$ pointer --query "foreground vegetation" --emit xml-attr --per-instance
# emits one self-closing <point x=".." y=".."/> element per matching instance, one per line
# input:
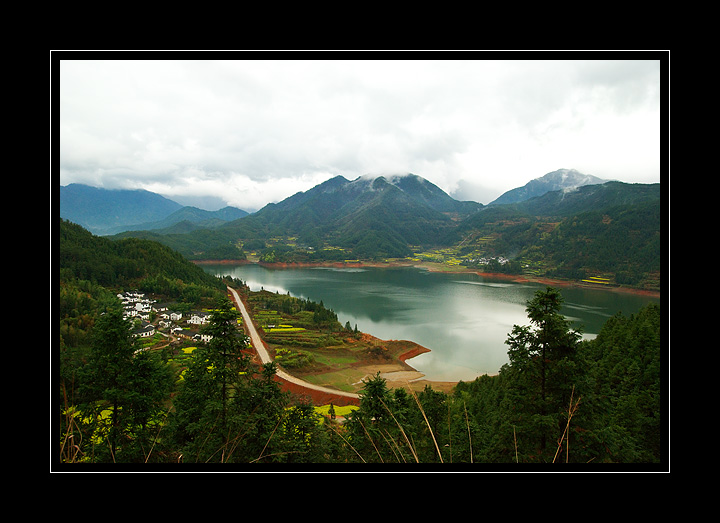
<point x="558" y="400"/>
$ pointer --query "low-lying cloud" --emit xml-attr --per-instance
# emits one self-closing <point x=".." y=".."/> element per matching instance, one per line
<point x="253" y="132"/>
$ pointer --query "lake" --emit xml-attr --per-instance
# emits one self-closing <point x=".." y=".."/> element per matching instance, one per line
<point x="464" y="319"/>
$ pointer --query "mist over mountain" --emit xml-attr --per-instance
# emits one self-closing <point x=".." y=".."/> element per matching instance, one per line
<point x="98" y="209"/>
<point x="562" y="179"/>
<point x="111" y="211"/>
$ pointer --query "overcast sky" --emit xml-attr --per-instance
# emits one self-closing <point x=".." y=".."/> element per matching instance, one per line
<point x="246" y="133"/>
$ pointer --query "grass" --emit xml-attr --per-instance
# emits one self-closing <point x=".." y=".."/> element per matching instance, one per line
<point x="342" y="379"/>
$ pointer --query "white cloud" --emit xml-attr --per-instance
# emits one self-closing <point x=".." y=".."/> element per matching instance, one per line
<point x="252" y="132"/>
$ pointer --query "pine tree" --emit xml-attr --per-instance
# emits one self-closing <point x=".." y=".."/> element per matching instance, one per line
<point x="542" y="371"/>
<point x="122" y="392"/>
<point x="224" y="351"/>
<point x="366" y="424"/>
<point x="202" y="423"/>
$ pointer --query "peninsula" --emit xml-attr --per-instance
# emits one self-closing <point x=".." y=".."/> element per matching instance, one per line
<point x="319" y="357"/>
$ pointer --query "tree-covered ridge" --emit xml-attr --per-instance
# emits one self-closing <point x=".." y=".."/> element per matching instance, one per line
<point x="127" y="263"/>
<point x="558" y="400"/>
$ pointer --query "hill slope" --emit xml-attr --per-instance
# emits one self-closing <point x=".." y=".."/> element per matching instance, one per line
<point x="192" y="218"/>
<point x="129" y="262"/>
<point x="610" y="229"/>
<point x="100" y="209"/>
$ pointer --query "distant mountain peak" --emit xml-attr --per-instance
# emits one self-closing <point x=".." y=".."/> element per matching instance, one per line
<point x="560" y="180"/>
<point x="98" y="209"/>
<point x="110" y="211"/>
<point x="417" y="188"/>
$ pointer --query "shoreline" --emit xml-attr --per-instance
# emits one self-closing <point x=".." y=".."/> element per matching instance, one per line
<point x="433" y="267"/>
<point x="395" y="369"/>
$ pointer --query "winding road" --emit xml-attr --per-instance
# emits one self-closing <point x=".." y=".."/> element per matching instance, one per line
<point x="265" y="357"/>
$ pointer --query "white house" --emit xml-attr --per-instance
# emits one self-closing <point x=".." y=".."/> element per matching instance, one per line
<point x="199" y="318"/>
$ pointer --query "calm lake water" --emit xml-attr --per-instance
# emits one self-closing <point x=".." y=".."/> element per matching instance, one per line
<point x="464" y="319"/>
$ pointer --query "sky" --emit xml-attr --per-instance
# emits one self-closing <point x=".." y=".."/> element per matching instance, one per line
<point x="246" y="133"/>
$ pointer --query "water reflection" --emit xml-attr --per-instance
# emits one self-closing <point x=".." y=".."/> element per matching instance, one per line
<point x="463" y="318"/>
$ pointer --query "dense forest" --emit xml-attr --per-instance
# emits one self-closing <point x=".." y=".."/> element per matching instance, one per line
<point x="559" y="399"/>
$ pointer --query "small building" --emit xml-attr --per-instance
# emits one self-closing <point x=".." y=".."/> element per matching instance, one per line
<point x="199" y="318"/>
<point x="145" y="330"/>
<point x="184" y="333"/>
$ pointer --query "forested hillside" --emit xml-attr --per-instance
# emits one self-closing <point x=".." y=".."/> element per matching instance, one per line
<point x="611" y="230"/>
<point x="129" y="262"/>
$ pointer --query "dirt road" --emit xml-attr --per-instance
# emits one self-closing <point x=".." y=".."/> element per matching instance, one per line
<point x="257" y="343"/>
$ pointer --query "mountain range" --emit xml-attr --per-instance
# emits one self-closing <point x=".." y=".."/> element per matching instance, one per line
<point x="565" y="231"/>
<point x="111" y="211"/>
<point x="380" y="214"/>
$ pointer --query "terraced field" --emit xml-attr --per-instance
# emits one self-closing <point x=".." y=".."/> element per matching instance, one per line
<point x="321" y="351"/>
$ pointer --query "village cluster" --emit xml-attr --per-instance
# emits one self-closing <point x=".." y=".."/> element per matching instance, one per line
<point x="166" y="321"/>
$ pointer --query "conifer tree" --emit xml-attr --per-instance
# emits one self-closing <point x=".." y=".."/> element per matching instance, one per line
<point x="202" y="420"/>
<point x="542" y="370"/>
<point x="122" y="392"/>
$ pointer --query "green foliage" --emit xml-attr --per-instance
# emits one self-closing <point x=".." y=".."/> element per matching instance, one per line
<point x="612" y="228"/>
<point x="624" y="387"/>
<point x="199" y="244"/>
<point x="616" y="378"/>
<point x="619" y="240"/>
<point x="542" y="364"/>
<point x="132" y="387"/>
<point x="558" y="399"/>
<point x="210" y="388"/>
<point x="128" y="263"/>
<point x="321" y="316"/>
